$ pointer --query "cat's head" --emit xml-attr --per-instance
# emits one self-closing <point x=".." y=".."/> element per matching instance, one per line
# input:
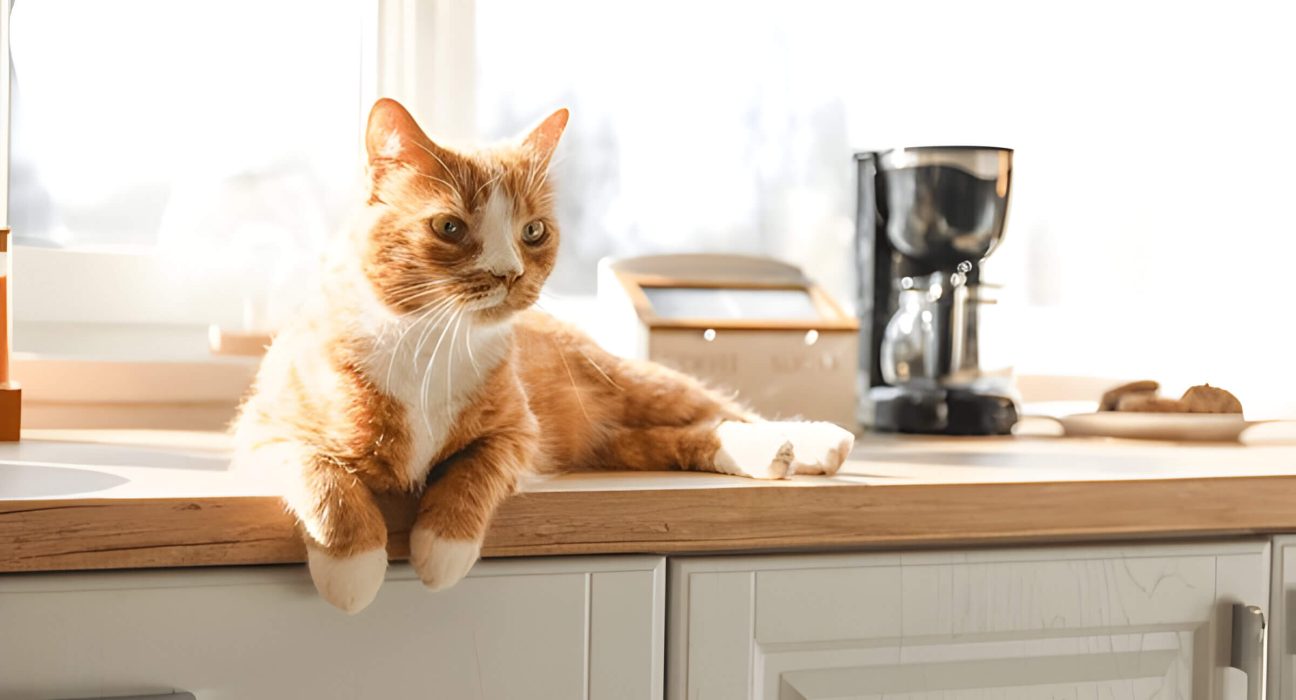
<point x="456" y="229"/>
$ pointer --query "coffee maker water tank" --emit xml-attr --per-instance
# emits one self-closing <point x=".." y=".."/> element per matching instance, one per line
<point x="950" y="203"/>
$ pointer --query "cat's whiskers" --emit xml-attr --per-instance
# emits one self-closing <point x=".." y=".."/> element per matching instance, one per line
<point x="440" y="284"/>
<point x="427" y="374"/>
<point x="398" y="325"/>
<point x="598" y="369"/>
<point x="433" y="307"/>
<point x="410" y="320"/>
<point x="454" y="337"/>
<point x="426" y="332"/>
<point x="426" y="284"/>
<point x="571" y="378"/>
<point x="411" y="297"/>
<point x="468" y="345"/>
<point x="423" y="383"/>
<point x="442" y="321"/>
<point x="407" y="294"/>
<point x="447" y="185"/>
<point x="607" y="378"/>
<point x="427" y="320"/>
<point x="530" y="176"/>
<point x="433" y="154"/>
<point x="418" y="285"/>
<point x="407" y="321"/>
<point x="532" y="173"/>
<point x="444" y="167"/>
<point x="497" y="177"/>
<point x="543" y="172"/>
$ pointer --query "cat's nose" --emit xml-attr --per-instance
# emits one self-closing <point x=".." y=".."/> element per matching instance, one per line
<point x="507" y="278"/>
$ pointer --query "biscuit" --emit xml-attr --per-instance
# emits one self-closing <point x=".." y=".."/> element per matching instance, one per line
<point x="1111" y="399"/>
<point x="1210" y="399"/>
<point x="1147" y="402"/>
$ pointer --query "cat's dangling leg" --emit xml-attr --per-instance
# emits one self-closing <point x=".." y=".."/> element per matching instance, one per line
<point x="457" y="507"/>
<point x="345" y="533"/>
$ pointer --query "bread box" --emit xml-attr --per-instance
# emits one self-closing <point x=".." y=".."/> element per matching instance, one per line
<point x="752" y="325"/>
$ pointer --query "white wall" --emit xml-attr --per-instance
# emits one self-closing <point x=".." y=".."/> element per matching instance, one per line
<point x="1151" y="228"/>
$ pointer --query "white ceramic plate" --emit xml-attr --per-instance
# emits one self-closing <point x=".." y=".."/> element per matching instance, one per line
<point x="1204" y="427"/>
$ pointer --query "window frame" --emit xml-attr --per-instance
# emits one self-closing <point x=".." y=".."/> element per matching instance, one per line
<point x="135" y="287"/>
<point x="416" y="51"/>
<point x="5" y="8"/>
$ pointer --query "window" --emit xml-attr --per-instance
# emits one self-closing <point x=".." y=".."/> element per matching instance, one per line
<point x="217" y="139"/>
<point x="1149" y="233"/>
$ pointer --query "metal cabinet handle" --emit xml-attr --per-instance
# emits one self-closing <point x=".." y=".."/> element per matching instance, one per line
<point x="1247" y="653"/>
<point x="165" y="696"/>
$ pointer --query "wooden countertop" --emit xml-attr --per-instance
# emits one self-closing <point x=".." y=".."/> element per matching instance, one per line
<point x="128" y="499"/>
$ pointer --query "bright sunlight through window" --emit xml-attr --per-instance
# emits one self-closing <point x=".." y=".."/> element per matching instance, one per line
<point x="216" y="132"/>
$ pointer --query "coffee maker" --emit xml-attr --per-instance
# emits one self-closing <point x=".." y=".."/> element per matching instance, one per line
<point x="926" y="220"/>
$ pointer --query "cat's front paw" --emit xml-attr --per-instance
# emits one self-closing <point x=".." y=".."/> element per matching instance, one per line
<point x="348" y="583"/>
<point x="820" y="447"/>
<point x="440" y="561"/>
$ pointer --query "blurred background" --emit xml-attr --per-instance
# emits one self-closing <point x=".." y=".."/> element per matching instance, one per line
<point x="189" y="160"/>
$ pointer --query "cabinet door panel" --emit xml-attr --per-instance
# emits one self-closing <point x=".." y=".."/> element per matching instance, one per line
<point x="1282" y="621"/>
<point x="823" y="604"/>
<point x="627" y="620"/>
<point x="1074" y="622"/>
<point x="720" y="633"/>
<point x="544" y="628"/>
<point x="1023" y="596"/>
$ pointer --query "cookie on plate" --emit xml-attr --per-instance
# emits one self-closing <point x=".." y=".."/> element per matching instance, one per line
<point x="1210" y="399"/>
<point x="1111" y="399"/>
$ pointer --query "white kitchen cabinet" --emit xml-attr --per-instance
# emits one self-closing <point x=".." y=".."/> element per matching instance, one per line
<point x="1064" y="622"/>
<point x="1282" y="620"/>
<point x="561" y="627"/>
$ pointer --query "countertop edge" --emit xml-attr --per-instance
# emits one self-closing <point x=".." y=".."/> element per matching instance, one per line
<point x="101" y="533"/>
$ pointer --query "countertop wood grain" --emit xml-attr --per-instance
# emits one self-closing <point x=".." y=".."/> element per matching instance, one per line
<point x="127" y="499"/>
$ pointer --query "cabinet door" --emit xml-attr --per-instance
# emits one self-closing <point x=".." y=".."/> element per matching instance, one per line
<point x="1065" y="622"/>
<point x="582" y="627"/>
<point x="1282" y="625"/>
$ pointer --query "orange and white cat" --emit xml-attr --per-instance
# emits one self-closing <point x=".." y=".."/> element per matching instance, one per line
<point x="420" y="370"/>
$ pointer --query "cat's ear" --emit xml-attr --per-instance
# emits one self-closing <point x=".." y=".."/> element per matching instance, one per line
<point x="393" y="136"/>
<point x="543" y="139"/>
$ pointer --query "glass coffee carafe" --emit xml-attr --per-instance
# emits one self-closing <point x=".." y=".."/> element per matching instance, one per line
<point x="909" y="342"/>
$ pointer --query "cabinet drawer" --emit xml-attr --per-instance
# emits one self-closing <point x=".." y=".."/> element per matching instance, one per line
<point x="1070" y="622"/>
<point x="542" y="628"/>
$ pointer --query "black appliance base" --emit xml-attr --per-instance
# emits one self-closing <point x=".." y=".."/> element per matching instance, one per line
<point x="941" y="412"/>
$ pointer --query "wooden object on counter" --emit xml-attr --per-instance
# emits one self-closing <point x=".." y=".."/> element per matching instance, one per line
<point x="895" y="492"/>
<point x="752" y="325"/>
<point x="10" y="391"/>
<point x="223" y="341"/>
<point x="10" y="413"/>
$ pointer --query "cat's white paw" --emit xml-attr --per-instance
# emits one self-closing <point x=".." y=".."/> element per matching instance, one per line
<point x="348" y="583"/>
<point x="820" y="447"/>
<point x="439" y="561"/>
<point x="753" y="450"/>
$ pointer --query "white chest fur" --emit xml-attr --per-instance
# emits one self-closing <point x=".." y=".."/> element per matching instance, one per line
<point x="434" y="368"/>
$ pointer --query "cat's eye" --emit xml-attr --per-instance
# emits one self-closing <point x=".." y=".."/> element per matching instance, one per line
<point x="449" y="227"/>
<point x="533" y="233"/>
